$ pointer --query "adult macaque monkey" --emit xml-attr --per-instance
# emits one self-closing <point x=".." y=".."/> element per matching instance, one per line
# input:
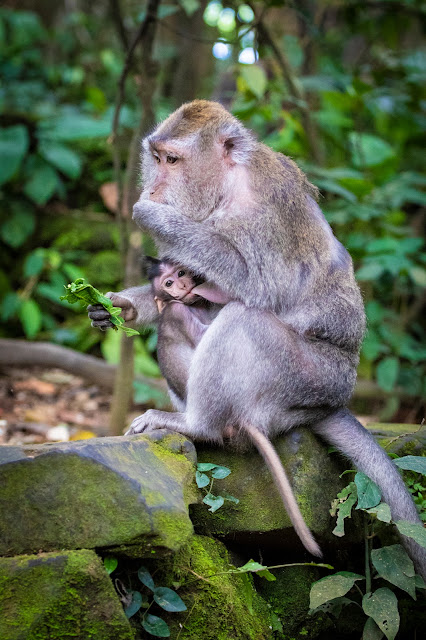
<point x="284" y="352"/>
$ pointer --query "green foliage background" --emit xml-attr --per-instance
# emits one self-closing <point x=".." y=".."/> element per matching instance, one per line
<point x="337" y="86"/>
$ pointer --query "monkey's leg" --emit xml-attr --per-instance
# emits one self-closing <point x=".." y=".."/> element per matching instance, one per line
<point x="343" y="430"/>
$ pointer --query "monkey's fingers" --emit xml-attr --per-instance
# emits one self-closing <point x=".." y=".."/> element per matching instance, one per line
<point x="128" y="311"/>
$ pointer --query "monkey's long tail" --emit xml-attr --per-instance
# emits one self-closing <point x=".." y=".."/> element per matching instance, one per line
<point x="276" y="468"/>
<point x="343" y="430"/>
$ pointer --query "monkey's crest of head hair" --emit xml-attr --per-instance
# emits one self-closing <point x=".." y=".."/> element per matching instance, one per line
<point x="204" y="122"/>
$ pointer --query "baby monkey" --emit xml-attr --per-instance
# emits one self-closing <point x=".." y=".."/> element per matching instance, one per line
<point x="187" y="306"/>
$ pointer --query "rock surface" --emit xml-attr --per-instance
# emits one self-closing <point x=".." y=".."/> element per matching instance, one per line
<point x="59" y="596"/>
<point x="221" y="604"/>
<point x="313" y="473"/>
<point x="104" y="492"/>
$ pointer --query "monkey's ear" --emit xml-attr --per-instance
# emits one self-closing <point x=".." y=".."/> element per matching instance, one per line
<point x="153" y="267"/>
<point x="237" y="143"/>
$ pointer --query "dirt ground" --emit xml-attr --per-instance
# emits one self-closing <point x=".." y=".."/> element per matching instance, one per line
<point x="48" y="405"/>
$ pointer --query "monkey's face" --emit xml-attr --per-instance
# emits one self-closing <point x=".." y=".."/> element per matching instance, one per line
<point x="176" y="282"/>
<point x="183" y="174"/>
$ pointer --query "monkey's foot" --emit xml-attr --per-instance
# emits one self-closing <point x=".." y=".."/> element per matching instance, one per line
<point x="153" y="420"/>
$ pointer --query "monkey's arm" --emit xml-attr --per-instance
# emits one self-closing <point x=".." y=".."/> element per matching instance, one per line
<point x="138" y="308"/>
<point x="195" y="245"/>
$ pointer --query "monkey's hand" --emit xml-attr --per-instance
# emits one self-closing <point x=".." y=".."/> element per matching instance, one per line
<point x="100" y="317"/>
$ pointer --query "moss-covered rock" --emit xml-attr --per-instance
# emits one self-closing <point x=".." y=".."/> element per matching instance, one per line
<point x="127" y="493"/>
<point x="260" y="515"/>
<point x="59" y="596"/>
<point x="402" y="439"/>
<point x="289" y="600"/>
<point x="220" y="605"/>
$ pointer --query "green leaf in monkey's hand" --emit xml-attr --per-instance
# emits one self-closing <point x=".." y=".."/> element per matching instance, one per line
<point x="80" y="291"/>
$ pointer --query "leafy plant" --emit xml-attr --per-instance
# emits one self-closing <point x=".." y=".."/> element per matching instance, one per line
<point x="85" y="293"/>
<point x="164" y="597"/>
<point x="391" y="563"/>
<point x="217" y="472"/>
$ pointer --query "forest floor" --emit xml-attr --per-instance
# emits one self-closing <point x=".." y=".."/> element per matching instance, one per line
<point x="49" y="405"/>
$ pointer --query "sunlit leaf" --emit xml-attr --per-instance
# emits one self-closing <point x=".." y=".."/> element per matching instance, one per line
<point x="342" y="506"/>
<point x="255" y="78"/>
<point x="30" y="317"/>
<point x="110" y="564"/>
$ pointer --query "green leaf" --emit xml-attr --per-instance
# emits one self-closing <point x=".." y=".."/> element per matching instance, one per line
<point x="206" y="466"/>
<point x="61" y="157"/>
<point x="10" y="305"/>
<point x="368" y="150"/>
<point x="255" y="78"/>
<point x="30" y="317"/>
<point x="412" y="530"/>
<point x="155" y="626"/>
<point x="135" y="604"/>
<point x="393" y="564"/>
<point x="331" y="587"/>
<point x="387" y="373"/>
<point x="145" y="394"/>
<point x="418" y="275"/>
<point x="19" y="226"/>
<point x="13" y="147"/>
<point x="230" y="498"/>
<point x="346" y="499"/>
<point x="371" y="631"/>
<point x="412" y="463"/>
<point x="221" y="472"/>
<point x="382" y="606"/>
<point x="382" y="511"/>
<point x="79" y="291"/>
<point x="201" y="479"/>
<point x="110" y="564"/>
<point x="168" y="599"/>
<point x="34" y="263"/>
<point x="214" y="502"/>
<point x="254" y="567"/>
<point x="370" y="271"/>
<point x="368" y="492"/>
<point x="333" y="607"/>
<point x="189" y="6"/>
<point x="42" y="183"/>
<point x="146" y="578"/>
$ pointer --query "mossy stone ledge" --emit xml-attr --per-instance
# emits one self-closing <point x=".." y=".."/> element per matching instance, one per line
<point x="128" y="494"/>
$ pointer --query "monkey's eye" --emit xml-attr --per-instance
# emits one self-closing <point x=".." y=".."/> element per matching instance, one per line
<point x="181" y="274"/>
<point x="168" y="283"/>
<point x="157" y="158"/>
<point x="171" y="159"/>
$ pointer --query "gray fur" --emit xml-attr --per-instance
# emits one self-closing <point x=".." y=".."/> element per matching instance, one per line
<point x="285" y="352"/>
